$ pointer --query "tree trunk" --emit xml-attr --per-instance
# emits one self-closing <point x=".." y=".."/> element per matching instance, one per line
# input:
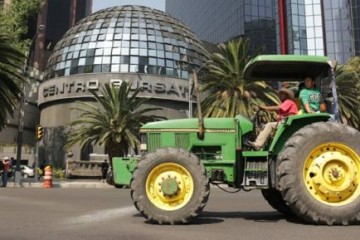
<point x="114" y="150"/>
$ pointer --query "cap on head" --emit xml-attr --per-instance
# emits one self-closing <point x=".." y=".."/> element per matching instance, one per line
<point x="6" y="158"/>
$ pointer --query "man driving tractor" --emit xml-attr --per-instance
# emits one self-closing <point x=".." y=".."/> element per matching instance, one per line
<point x="286" y="108"/>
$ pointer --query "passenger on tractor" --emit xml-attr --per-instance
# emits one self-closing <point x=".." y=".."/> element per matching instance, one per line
<point x="309" y="97"/>
<point x="286" y="108"/>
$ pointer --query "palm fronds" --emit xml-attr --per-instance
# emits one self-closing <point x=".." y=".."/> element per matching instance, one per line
<point x="113" y="122"/>
<point x="227" y="92"/>
<point x="11" y="62"/>
<point x="348" y="87"/>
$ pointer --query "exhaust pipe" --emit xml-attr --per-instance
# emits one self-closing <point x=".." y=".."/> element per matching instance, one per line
<point x="198" y="104"/>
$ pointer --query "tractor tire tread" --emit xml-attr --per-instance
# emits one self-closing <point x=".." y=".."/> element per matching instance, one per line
<point x="183" y="215"/>
<point x="307" y="208"/>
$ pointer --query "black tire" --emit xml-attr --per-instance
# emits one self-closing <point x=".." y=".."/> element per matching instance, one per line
<point x="110" y="178"/>
<point x="193" y="206"/>
<point x="298" y="182"/>
<point x="276" y="201"/>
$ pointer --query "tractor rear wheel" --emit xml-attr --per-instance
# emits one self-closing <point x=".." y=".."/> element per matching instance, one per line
<point x="275" y="200"/>
<point x="170" y="186"/>
<point x="318" y="174"/>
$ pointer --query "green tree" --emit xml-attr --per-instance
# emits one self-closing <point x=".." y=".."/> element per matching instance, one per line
<point x="113" y="122"/>
<point x="11" y="62"/>
<point x="19" y="22"/>
<point x="14" y="41"/>
<point x="348" y="88"/>
<point x="227" y="93"/>
<point x="354" y="63"/>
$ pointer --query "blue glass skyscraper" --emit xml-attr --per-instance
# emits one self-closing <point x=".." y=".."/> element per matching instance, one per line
<point x="219" y="21"/>
<point x="312" y="27"/>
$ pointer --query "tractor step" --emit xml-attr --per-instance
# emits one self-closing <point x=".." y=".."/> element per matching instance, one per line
<point x="256" y="172"/>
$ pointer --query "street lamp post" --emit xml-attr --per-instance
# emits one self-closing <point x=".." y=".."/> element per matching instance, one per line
<point x="19" y="139"/>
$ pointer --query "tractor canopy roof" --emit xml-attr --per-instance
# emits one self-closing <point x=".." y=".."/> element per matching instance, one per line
<point x="286" y="67"/>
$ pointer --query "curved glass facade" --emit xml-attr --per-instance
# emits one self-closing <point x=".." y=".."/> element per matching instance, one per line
<point x="127" y="39"/>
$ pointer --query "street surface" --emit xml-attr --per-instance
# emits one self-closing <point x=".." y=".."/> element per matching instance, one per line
<point x="35" y="213"/>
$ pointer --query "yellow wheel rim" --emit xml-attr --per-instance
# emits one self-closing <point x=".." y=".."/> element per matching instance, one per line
<point x="332" y="174"/>
<point x="169" y="186"/>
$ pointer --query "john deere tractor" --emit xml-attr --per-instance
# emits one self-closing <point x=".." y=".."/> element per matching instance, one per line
<point x="310" y="167"/>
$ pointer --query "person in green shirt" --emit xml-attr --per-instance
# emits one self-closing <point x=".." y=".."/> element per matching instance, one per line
<point x="310" y="97"/>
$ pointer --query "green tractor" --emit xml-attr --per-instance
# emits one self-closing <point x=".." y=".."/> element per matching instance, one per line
<point x="310" y="167"/>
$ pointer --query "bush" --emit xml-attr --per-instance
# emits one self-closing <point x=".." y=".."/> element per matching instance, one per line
<point x="59" y="173"/>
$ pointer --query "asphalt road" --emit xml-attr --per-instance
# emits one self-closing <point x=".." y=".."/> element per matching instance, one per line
<point x="28" y="213"/>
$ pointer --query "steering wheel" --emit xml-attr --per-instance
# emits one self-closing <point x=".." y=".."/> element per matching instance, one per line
<point x="259" y="118"/>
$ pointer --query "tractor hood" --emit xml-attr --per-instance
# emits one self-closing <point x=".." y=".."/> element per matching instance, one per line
<point x="286" y="67"/>
<point x="191" y="125"/>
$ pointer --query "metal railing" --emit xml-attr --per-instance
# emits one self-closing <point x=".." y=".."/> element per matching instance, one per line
<point x="78" y="168"/>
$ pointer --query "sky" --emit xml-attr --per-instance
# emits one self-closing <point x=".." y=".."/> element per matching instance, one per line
<point x="100" y="4"/>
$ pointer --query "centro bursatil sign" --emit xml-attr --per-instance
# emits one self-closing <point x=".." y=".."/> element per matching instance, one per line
<point x="79" y="86"/>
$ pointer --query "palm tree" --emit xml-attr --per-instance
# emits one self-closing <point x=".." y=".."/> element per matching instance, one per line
<point x="354" y="63"/>
<point x="227" y="92"/>
<point x="348" y="87"/>
<point x="113" y="122"/>
<point x="11" y="78"/>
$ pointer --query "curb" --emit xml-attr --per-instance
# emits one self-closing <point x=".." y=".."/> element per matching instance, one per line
<point x="74" y="184"/>
<point x="61" y="185"/>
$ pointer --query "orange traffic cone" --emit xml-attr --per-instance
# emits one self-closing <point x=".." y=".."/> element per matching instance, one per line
<point x="47" y="177"/>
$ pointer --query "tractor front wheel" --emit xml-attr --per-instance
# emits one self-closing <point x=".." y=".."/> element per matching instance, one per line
<point x="275" y="200"/>
<point x="318" y="174"/>
<point x="170" y="186"/>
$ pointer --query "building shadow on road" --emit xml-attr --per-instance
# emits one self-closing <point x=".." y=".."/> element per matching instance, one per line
<point x="272" y="216"/>
<point x="197" y="221"/>
<point x="208" y="217"/>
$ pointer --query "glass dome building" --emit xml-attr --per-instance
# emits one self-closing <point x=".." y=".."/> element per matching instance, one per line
<point x="127" y="39"/>
<point x="143" y="46"/>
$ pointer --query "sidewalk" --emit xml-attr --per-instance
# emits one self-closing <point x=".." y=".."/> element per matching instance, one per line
<point x="61" y="183"/>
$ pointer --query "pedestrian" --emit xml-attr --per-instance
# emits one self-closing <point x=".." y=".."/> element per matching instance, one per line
<point x="104" y="170"/>
<point x="1" y="168"/>
<point x="6" y="167"/>
<point x="285" y="109"/>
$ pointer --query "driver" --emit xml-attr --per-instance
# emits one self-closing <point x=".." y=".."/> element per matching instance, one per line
<point x="286" y="108"/>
